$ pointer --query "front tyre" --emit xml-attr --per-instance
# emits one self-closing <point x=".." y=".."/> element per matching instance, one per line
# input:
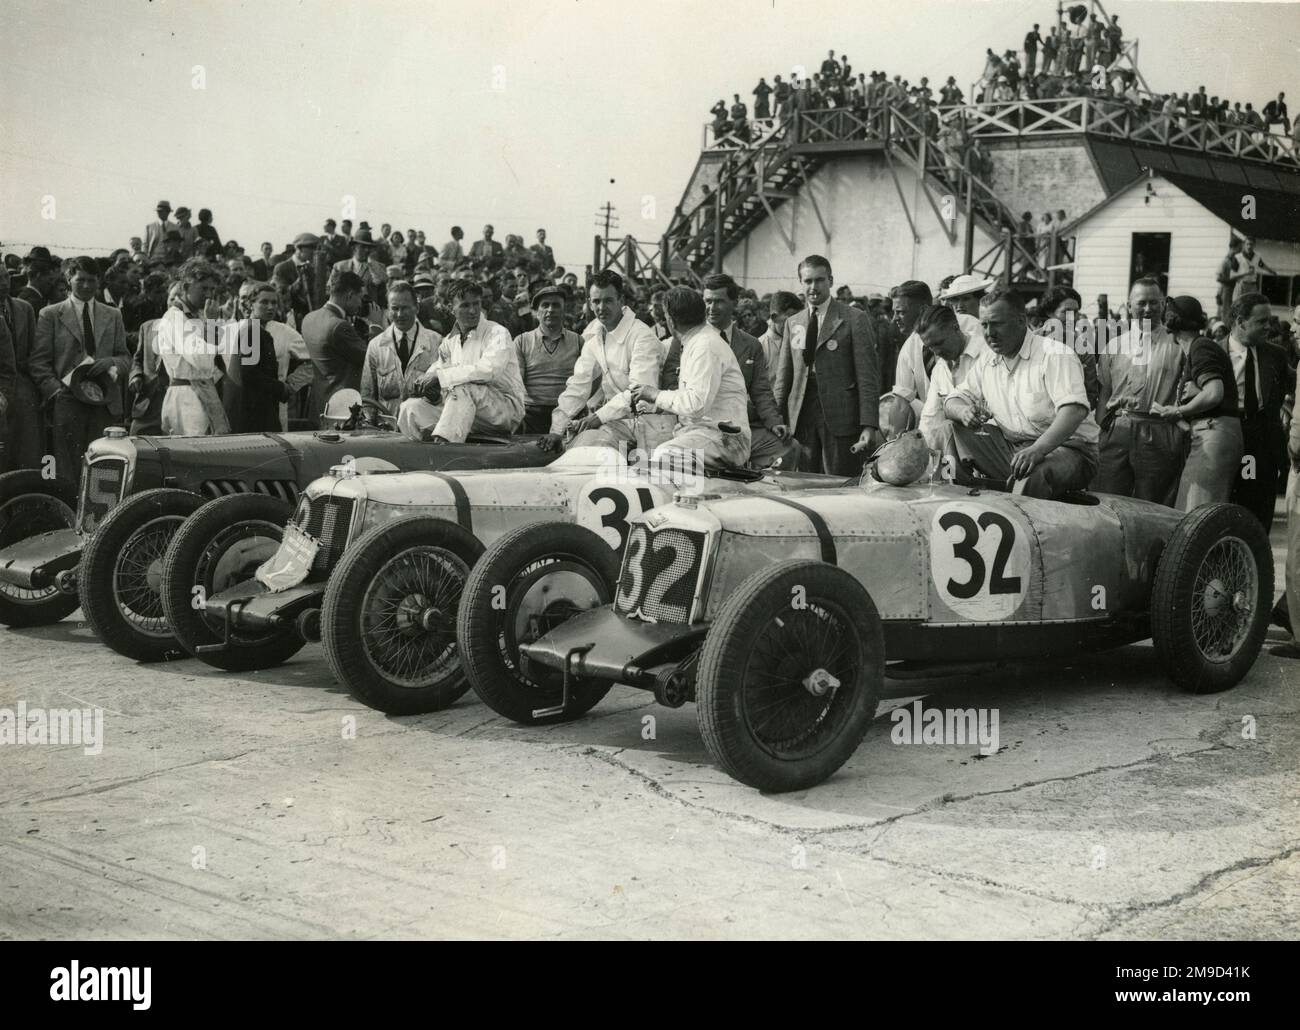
<point x="790" y="675"/>
<point x="218" y="546"/>
<point x="120" y="578"/>
<point x="30" y="505"/>
<point x="1211" y="598"/>
<point x="529" y="582"/>
<point x="389" y="618"/>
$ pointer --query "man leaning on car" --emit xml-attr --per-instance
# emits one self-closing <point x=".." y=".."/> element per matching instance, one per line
<point x="1044" y="434"/>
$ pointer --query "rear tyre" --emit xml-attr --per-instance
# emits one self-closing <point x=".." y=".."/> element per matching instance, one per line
<point x="30" y="505"/>
<point x="218" y="546"/>
<point x="790" y="675"/>
<point x="120" y="577"/>
<point x="389" y="618"/>
<point x="1211" y="598"/>
<point x="529" y="582"/>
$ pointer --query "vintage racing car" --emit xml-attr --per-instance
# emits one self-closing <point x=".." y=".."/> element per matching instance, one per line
<point x="776" y="614"/>
<point x="103" y="549"/>
<point x="373" y="564"/>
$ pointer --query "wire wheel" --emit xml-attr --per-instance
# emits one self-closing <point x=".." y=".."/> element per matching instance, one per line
<point x="1223" y="599"/>
<point x="408" y="615"/>
<point x="137" y="577"/>
<point x="28" y="515"/>
<point x="799" y="678"/>
<point x="232" y="556"/>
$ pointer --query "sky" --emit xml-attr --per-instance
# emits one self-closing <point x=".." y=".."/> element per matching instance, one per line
<point x="428" y="113"/>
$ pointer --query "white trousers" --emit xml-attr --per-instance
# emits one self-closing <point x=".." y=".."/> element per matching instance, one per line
<point x="468" y="408"/>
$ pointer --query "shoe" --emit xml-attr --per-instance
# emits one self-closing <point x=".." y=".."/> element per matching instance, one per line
<point x="1291" y="650"/>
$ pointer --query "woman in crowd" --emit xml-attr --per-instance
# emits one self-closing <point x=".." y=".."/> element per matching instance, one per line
<point x="1208" y="404"/>
<point x="188" y="343"/>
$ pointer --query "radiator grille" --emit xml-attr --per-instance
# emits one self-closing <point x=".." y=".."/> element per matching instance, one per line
<point x="102" y="486"/>
<point x="659" y="575"/>
<point x="325" y="519"/>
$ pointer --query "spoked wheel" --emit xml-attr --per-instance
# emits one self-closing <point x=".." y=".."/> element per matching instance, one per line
<point x="1211" y="598"/>
<point x="529" y="582"/>
<point x="389" y="619"/>
<point x="790" y="675"/>
<point x="31" y="505"/>
<point x="120" y="576"/>
<point x="218" y="546"/>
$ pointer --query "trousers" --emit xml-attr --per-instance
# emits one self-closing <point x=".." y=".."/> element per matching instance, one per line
<point x="1065" y="470"/>
<point x="467" y="408"/>
<point x="76" y="427"/>
<point x="1213" y="462"/>
<point x="823" y="451"/>
<point x="1141" y="457"/>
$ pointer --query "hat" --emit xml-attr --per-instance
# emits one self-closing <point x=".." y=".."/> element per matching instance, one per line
<point x="182" y="212"/>
<point x="362" y="236"/>
<point x="1190" y="312"/>
<point x="99" y="391"/>
<point x="305" y="239"/>
<point x="163" y="203"/>
<point x="39" y="254"/>
<point x="548" y="290"/>
<point x="964" y="285"/>
<point x="365" y="226"/>
<point x="424" y="282"/>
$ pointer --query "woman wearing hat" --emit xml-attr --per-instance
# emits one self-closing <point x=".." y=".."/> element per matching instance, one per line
<point x="1208" y="404"/>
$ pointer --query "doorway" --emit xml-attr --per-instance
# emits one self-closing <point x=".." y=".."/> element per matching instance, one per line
<point x="1149" y="256"/>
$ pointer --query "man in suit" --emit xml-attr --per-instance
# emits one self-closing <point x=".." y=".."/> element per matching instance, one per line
<point x="399" y="357"/>
<point x="542" y="251"/>
<point x="488" y="251"/>
<point x="828" y="385"/>
<point x="262" y="266"/>
<point x="8" y="395"/>
<point x="42" y="274"/>
<point x="366" y="266"/>
<point x="156" y="232"/>
<point x="67" y="334"/>
<point x="1260" y="369"/>
<point x="26" y="416"/>
<point x="768" y="432"/>
<point x="337" y="350"/>
<point x="306" y="271"/>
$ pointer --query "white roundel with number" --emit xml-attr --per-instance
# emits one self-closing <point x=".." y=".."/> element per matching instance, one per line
<point x="979" y="558"/>
<point x="606" y="507"/>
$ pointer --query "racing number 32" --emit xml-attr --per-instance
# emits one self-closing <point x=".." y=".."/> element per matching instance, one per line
<point x="999" y="581"/>
<point x="979" y="561"/>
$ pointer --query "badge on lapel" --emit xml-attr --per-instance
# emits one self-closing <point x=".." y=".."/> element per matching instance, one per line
<point x="832" y="344"/>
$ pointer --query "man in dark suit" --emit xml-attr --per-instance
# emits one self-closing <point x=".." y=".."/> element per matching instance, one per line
<point x="308" y="272"/>
<point x="828" y="384"/>
<point x="8" y="395"/>
<point x="337" y="350"/>
<point x="26" y="417"/>
<point x="488" y="251"/>
<point x="1260" y="369"/>
<point x="67" y="334"/>
<point x="769" y="436"/>
<point x="42" y="273"/>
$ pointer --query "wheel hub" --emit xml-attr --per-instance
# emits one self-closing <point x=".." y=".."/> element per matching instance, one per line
<point x="820" y="682"/>
<point x="1216" y="600"/>
<point x="153" y="575"/>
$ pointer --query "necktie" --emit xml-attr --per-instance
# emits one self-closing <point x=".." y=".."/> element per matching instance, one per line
<point x="403" y="351"/>
<point x="87" y="330"/>
<point x="1252" y="395"/>
<point x="723" y="334"/>
<point x="814" y="327"/>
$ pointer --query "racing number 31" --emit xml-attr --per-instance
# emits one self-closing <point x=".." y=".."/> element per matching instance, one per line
<point x="616" y="518"/>
<point x="979" y="561"/>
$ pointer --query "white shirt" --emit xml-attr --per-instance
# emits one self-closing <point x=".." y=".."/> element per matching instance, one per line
<point x="1024" y="392"/>
<point x="910" y="379"/>
<point x="629" y="354"/>
<point x="944" y="383"/>
<point x="1237" y="355"/>
<point x="486" y="355"/>
<point x="711" y="387"/>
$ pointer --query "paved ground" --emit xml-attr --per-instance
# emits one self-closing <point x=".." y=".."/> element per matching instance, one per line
<point x="273" y="805"/>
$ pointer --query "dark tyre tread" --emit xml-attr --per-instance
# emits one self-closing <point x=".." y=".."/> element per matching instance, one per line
<point x="180" y="571"/>
<point x="342" y="612"/>
<point x="502" y="689"/>
<point x="99" y="563"/>
<point x="58" y="606"/>
<point x="722" y="664"/>
<point x="1171" y="597"/>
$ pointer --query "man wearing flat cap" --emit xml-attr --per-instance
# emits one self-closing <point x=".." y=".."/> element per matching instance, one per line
<point x="156" y="232"/>
<point x="547" y="355"/>
<point x="42" y="273"/>
<point x="306" y="270"/>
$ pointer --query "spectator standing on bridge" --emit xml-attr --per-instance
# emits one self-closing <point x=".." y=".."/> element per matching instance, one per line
<point x="1141" y="452"/>
<point x="830" y="68"/>
<point x="781" y="94"/>
<point x="1275" y="113"/>
<point x="1113" y="38"/>
<point x="1032" y="42"/>
<point x="1051" y="45"/>
<point x="762" y="101"/>
<point x="739" y="112"/>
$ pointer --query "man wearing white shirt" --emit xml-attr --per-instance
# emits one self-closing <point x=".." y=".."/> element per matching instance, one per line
<point x="711" y="390"/>
<point x="1044" y="433"/>
<point x="956" y="351"/>
<point x="622" y="352"/>
<point x="477" y="371"/>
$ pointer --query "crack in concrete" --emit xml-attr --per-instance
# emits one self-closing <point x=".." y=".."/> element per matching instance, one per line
<point x="105" y="788"/>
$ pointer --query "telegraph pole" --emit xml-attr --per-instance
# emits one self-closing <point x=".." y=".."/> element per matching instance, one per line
<point x="606" y="215"/>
